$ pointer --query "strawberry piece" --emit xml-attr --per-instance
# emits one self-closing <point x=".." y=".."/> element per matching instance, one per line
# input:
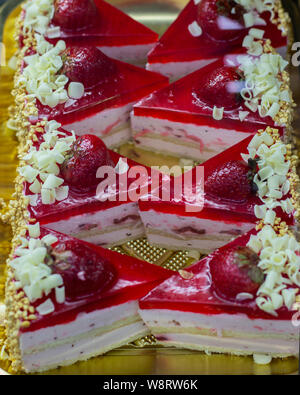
<point x="221" y="19"/>
<point x="232" y="181"/>
<point x="84" y="272"/>
<point x="87" y="154"/>
<point x="235" y="271"/>
<point x="74" y="14"/>
<point x="87" y="65"/>
<point x="222" y="88"/>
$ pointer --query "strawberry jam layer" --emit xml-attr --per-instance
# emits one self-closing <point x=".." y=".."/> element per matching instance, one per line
<point x="126" y="85"/>
<point x="182" y="102"/>
<point x="111" y="27"/>
<point x="197" y="294"/>
<point x="79" y="202"/>
<point x="135" y="279"/>
<point x="214" y="208"/>
<point x="178" y="45"/>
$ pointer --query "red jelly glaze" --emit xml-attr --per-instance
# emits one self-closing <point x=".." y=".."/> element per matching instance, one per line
<point x="86" y="202"/>
<point x="183" y="102"/>
<point x="214" y="208"/>
<point x="112" y="28"/>
<point x="126" y="85"/>
<point x="135" y="278"/>
<point x="178" y="45"/>
<point x="197" y="294"/>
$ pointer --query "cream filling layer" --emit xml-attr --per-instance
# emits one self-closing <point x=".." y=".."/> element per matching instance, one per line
<point x="179" y="232"/>
<point x="175" y="70"/>
<point x="111" y="125"/>
<point x="128" y="53"/>
<point x="83" y="349"/>
<point x="223" y="332"/>
<point x="207" y="141"/>
<point x="83" y="323"/>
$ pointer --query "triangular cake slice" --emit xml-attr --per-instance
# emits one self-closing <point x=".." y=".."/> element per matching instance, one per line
<point x="89" y="23"/>
<point x="76" y="186"/>
<point x="213" y="108"/>
<point x="68" y="300"/>
<point x="81" y="88"/>
<point x="222" y="198"/>
<point x="207" y="29"/>
<point x="240" y="300"/>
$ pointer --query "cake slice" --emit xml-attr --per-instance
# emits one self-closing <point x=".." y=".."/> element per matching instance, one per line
<point x="222" y="198"/>
<point x="213" y="108"/>
<point x="89" y="23"/>
<point x="75" y="185"/>
<point x="67" y="300"/>
<point x="240" y="300"/>
<point x="81" y="88"/>
<point x="207" y="29"/>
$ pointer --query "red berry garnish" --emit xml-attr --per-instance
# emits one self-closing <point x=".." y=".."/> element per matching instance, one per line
<point x="221" y="88"/>
<point x="84" y="272"/>
<point x="235" y="271"/>
<point x="74" y="14"/>
<point x="87" y="154"/>
<point x="87" y="65"/>
<point x="221" y="19"/>
<point x="232" y="181"/>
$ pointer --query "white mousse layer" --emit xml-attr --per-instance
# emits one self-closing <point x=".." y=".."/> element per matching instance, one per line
<point x="88" y="335"/>
<point x="233" y="333"/>
<point x="180" y="232"/>
<point x="175" y="70"/>
<point x="103" y="227"/>
<point x="185" y="140"/>
<point x="111" y="125"/>
<point x="136" y="54"/>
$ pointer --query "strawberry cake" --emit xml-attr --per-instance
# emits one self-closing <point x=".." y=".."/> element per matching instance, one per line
<point x="226" y="199"/>
<point x="90" y="23"/>
<point x="69" y="300"/>
<point x="67" y="193"/>
<point x="238" y="300"/>
<point x="83" y="89"/>
<point x="213" y="108"/>
<point x="207" y="29"/>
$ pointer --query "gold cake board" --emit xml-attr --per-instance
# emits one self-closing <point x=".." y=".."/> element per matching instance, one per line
<point x="142" y="357"/>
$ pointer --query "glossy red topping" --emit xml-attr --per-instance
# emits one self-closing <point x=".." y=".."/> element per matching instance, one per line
<point x="177" y="44"/>
<point x="232" y="180"/>
<point x="234" y="270"/>
<point x="221" y="19"/>
<point x="87" y="154"/>
<point x="198" y="294"/>
<point x="130" y="279"/>
<point x="74" y="14"/>
<point x="222" y="88"/>
<point x="87" y="65"/>
<point x="84" y="272"/>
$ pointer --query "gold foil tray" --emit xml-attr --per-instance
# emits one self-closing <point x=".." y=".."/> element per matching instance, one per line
<point x="143" y="356"/>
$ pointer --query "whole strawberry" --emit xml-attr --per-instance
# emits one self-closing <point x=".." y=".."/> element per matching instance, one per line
<point x="235" y="271"/>
<point x="209" y="18"/>
<point x="87" y="154"/>
<point x="222" y="88"/>
<point x="232" y="181"/>
<point x="87" y="65"/>
<point x="74" y="14"/>
<point x="83" y="271"/>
